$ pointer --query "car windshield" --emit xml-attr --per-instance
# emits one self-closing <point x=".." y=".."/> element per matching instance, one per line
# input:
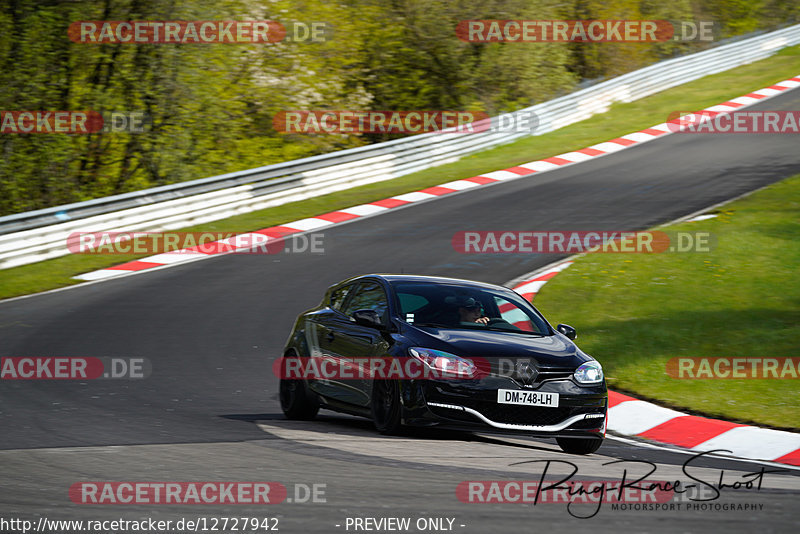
<point x="467" y="307"/>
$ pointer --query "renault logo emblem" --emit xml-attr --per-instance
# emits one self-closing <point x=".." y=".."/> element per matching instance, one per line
<point x="526" y="372"/>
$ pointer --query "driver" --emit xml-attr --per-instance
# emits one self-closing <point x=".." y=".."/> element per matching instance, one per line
<point x="470" y="311"/>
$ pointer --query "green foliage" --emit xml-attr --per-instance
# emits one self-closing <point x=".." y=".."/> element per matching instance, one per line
<point x="621" y="119"/>
<point x="735" y="17"/>
<point x="211" y="106"/>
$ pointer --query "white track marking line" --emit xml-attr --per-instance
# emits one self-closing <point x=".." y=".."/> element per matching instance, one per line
<point x="364" y="209"/>
<point x="539" y="166"/>
<point x="575" y="157"/>
<point x="415" y="196"/>
<point x="635" y="417"/>
<point x="751" y="442"/>
<point x="501" y="175"/>
<point x="687" y="452"/>
<point x="639" y="137"/>
<point x="460" y="185"/>
<point x="310" y="223"/>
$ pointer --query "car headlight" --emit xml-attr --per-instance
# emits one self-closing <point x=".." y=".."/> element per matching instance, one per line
<point x="589" y="373"/>
<point x="444" y="363"/>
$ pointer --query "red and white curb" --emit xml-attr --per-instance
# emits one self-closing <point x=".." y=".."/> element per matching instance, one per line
<point x="373" y="208"/>
<point x="632" y="417"/>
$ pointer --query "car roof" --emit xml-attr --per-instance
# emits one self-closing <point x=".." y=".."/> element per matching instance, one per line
<point x="391" y="278"/>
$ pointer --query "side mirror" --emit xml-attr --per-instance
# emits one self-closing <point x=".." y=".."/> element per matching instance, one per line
<point x="567" y="330"/>
<point x="368" y="318"/>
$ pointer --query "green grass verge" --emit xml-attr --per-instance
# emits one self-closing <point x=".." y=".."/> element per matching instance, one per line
<point x="634" y="312"/>
<point x="620" y="120"/>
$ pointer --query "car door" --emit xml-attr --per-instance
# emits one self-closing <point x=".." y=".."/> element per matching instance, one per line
<point x="322" y="341"/>
<point x="357" y="343"/>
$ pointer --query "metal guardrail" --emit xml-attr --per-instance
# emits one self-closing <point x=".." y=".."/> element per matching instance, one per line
<point x="38" y="235"/>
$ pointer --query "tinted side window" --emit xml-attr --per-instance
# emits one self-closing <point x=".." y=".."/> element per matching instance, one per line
<point x="369" y="296"/>
<point x="339" y="295"/>
<point x="410" y="303"/>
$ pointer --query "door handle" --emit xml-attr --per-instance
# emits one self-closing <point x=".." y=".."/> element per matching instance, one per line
<point x="330" y="337"/>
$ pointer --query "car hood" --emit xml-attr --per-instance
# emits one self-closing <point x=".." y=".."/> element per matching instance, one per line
<point x="549" y="351"/>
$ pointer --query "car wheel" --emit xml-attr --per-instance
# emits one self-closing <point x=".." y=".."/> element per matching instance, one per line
<point x="579" y="445"/>
<point x="297" y="401"/>
<point x="386" y="406"/>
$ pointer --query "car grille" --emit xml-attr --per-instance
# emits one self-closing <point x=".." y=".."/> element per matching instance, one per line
<point x="545" y="374"/>
<point x="555" y="374"/>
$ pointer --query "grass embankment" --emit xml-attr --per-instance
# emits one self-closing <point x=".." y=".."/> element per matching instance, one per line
<point x="636" y="311"/>
<point x="620" y="120"/>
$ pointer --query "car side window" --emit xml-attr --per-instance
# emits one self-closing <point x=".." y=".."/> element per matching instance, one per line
<point x="339" y="295"/>
<point x="368" y="296"/>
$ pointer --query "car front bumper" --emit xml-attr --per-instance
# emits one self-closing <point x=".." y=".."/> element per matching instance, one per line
<point x="472" y="405"/>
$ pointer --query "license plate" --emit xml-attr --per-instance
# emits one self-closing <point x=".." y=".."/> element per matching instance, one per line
<point x="527" y="398"/>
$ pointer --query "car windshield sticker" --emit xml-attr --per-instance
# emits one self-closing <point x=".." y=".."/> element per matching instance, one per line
<point x="409" y="317"/>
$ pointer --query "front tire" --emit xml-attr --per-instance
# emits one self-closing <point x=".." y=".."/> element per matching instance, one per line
<point x="579" y="445"/>
<point x="297" y="401"/>
<point x="386" y="406"/>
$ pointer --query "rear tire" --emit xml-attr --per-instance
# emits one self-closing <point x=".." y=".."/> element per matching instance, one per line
<point x="386" y="406"/>
<point x="297" y="401"/>
<point x="579" y="445"/>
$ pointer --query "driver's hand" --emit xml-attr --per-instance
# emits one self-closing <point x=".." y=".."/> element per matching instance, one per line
<point x="482" y="320"/>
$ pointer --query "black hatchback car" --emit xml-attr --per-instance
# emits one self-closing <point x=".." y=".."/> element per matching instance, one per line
<point x="428" y="351"/>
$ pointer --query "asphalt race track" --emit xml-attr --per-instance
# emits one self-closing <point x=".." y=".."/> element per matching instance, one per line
<point x="212" y="328"/>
